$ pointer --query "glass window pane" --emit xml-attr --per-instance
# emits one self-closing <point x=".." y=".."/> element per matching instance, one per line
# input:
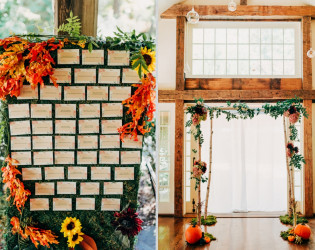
<point x="187" y="163"/>
<point x="209" y="51"/>
<point x="220" y="67"/>
<point x="188" y="149"/>
<point x="231" y="35"/>
<point x="197" y="51"/>
<point x="243" y="35"/>
<point x="277" y="35"/>
<point x="209" y="67"/>
<point x="289" y="35"/>
<point x="164" y="115"/>
<point x="254" y="35"/>
<point x="232" y="51"/>
<point x="277" y="67"/>
<point x="266" y="52"/>
<point x="298" y="193"/>
<point x="187" y="193"/>
<point x="220" y="35"/>
<point x="220" y="51"/>
<point x="164" y="163"/>
<point x="255" y="67"/>
<point x="243" y="52"/>
<point x="289" y="67"/>
<point x="277" y="51"/>
<point x="243" y="67"/>
<point x="208" y="35"/>
<point x="187" y="179"/>
<point x="197" y="67"/>
<point x="266" y="35"/>
<point x="164" y="179"/>
<point x="231" y="67"/>
<point x="297" y="178"/>
<point x="164" y="194"/>
<point x="197" y="35"/>
<point x="289" y="51"/>
<point x="266" y="67"/>
<point x="254" y="51"/>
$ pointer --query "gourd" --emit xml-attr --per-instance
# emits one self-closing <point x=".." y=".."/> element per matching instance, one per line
<point x="88" y="243"/>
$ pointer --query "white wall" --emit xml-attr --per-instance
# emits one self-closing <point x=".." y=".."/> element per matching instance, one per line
<point x="166" y="45"/>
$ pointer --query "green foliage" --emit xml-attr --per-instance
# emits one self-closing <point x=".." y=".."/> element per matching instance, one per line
<point x="293" y="133"/>
<point x="72" y="27"/>
<point x="209" y="221"/>
<point x="296" y="161"/>
<point x="140" y="62"/>
<point x="287" y="220"/>
<point x="210" y="236"/>
<point x="298" y="240"/>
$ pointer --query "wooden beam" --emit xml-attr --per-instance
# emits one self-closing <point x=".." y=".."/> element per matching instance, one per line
<point x="243" y="83"/>
<point x="243" y="2"/>
<point x="180" y="45"/>
<point x="179" y="159"/>
<point x="234" y="95"/>
<point x="86" y="10"/>
<point x="181" y="9"/>
<point x="307" y="62"/>
<point x="308" y="155"/>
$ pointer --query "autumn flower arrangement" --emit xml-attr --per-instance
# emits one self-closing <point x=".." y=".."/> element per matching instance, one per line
<point x="200" y="113"/>
<point x="71" y="228"/>
<point x="292" y="114"/>
<point x="291" y="150"/>
<point x="199" y="169"/>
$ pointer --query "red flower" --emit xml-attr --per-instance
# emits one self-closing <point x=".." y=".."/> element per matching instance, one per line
<point x="127" y="222"/>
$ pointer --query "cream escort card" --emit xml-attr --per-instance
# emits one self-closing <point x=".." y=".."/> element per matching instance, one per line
<point x="24" y="158"/>
<point x="64" y="157"/>
<point x="65" y="126"/>
<point x="87" y="157"/>
<point x="90" y="188"/>
<point x="89" y="126"/>
<point x="27" y="93"/>
<point x="77" y="173"/>
<point x="62" y="204"/>
<point x="89" y="110"/>
<point x="119" y="93"/>
<point x="21" y="143"/>
<point x="62" y="75"/>
<point x="68" y="56"/>
<point x="50" y="93"/>
<point x="20" y="128"/>
<point x="54" y="173"/>
<point x="31" y="174"/>
<point x="45" y="188"/>
<point x="130" y="143"/>
<point x="130" y="76"/>
<point x="41" y="110"/>
<point x="95" y="57"/>
<point x="42" y="142"/>
<point x="74" y="93"/>
<point x="109" y="204"/>
<point x="113" y="188"/>
<point x="112" y="110"/>
<point x="97" y="93"/>
<point x="100" y="173"/>
<point x="118" y="58"/>
<point x="65" y="111"/>
<point x="109" y="141"/>
<point x="111" y="126"/>
<point x="109" y="76"/>
<point x="39" y="204"/>
<point x="124" y="173"/>
<point x="43" y="158"/>
<point x="66" y="187"/>
<point x="84" y="75"/>
<point x="85" y="203"/>
<point x="19" y="111"/>
<point x="42" y="127"/>
<point x="109" y="157"/>
<point x="64" y="142"/>
<point x="87" y="141"/>
<point x="130" y="157"/>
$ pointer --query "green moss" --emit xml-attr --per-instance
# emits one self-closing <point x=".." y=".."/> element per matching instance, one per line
<point x="287" y="220"/>
<point x="209" y="221"/>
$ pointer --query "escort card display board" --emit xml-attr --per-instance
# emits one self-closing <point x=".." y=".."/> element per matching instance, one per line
<point x="68" y="147"/>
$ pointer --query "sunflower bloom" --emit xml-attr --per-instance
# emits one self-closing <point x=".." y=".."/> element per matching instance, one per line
<point x="70" y="227"/>
<point x="149" y="58"/>
<point x="75" y="239"/>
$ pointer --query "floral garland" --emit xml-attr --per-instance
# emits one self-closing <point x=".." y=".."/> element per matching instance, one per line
<point x="199" y="169"/>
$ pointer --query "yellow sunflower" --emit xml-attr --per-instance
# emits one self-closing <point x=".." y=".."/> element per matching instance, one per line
<point x="75" y="239"/>
<point x="149" y="58"/>
<point x="70" y="226"/>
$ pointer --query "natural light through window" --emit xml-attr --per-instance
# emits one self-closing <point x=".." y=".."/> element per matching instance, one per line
<point x="243" y="49"/>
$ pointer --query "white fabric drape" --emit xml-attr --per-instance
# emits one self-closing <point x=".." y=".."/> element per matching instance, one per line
<point x="249" y="168"/>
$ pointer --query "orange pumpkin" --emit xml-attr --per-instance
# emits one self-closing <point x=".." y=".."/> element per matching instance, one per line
<point x="193" y="234"/>
<point x="291" y="238"/>
<point x="303" y="231"/>
<point x="88" y="243"/>
<point x="207" y="239"/>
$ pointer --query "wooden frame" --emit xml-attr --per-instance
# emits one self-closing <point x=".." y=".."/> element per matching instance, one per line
<point x="232" y="89"/>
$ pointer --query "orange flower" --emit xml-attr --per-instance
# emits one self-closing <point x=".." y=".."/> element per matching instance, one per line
<point x="38" y="236"/>
<point x="141" y="106"/>
<point x="14" y="184"/>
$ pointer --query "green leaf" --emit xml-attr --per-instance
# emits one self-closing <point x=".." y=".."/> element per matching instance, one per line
<point x="90" y="47"/>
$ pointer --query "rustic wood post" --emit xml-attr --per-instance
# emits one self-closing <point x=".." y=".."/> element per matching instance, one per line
<point x="86" y="10"/>
<point x="209" y="171"/>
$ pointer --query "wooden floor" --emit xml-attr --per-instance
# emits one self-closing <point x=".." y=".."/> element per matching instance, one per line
<point x="231" y="234"/>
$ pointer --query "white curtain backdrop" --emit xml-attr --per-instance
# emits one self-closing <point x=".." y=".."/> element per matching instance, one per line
<point x="249" y="168"/>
